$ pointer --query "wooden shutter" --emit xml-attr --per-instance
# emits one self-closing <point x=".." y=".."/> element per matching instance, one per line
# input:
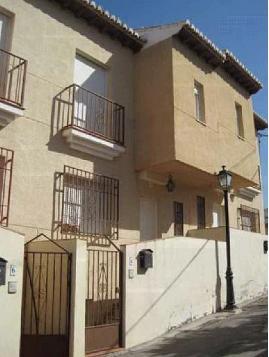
<point x="178" y="219"/>
<point x="200" y="212"/>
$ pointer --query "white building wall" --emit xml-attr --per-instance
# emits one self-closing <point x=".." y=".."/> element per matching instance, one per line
<point x="12" y="250"/>
<point x="187" y="281"/>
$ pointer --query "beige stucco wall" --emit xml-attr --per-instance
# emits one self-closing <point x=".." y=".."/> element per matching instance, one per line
<point x="11" y="249"/>
<point x="48" y="37"/>
<point x="154" y="105"/>
<point x="162" y="297"/>
<point x="216" y="144"/>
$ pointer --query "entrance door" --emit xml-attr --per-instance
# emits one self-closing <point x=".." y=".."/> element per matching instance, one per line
<point x="46" y="302"/>
<point x="148" y="219"/>
<point x="104" y="300"/>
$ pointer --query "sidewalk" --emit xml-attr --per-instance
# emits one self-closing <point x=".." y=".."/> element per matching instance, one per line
<point x="222" y="334"/>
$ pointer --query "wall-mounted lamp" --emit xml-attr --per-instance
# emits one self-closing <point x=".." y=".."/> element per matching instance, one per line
<point x="170" y="184"/>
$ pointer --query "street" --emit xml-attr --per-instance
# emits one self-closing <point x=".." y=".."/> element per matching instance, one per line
<point x="223" y="334"/>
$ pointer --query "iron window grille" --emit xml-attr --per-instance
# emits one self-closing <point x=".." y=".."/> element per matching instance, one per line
<point x="250" y="219"/>
<point x="90" y="204"/>
<point x="6" y="165"/>
<point x="178" y="219"/>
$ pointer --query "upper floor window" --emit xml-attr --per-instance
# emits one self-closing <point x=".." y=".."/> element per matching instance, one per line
<point x="178" y="219"/>
<point x="239" y="120"/>
<point x="199" y="102"/>
<point x="6" y="164"/>
<point x="200" y="212"/>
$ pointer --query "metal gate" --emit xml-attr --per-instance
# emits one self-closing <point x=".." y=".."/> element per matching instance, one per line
<point x="46" y="300"/>
<point x="104" y="299"/>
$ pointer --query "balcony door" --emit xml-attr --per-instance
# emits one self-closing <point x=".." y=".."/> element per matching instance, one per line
<point x="4" y="32"/>
<point x="4" y="58"/>
<point x="90" y="108"/>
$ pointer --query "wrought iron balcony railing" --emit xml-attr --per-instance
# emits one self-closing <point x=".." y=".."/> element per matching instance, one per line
<point x="6" y="164"/>
<point x="12" y="78"/>
<point x="89" y="112"/>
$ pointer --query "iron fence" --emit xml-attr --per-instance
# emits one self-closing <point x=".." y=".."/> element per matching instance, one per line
<point x="12" y="78"/>
<point x="103" y="299"/>
<point x="89" y="112"/>
<point x="6" y="165"/>
<point x="90" y="204"/>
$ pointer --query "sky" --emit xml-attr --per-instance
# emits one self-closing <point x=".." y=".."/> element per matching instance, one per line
<point x="238" y="25"/>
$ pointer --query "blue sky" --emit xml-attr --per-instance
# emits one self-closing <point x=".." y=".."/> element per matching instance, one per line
<point x="239" y="25"/>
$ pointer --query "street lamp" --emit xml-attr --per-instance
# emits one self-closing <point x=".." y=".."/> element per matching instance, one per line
<point x="225" y="181"/>
<point x="170" y="184"/>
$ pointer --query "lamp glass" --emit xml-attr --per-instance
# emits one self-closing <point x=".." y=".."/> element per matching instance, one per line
<point x="225" y="179"/>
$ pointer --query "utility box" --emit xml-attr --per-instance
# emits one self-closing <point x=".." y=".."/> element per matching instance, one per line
<point x="3" y="266"/>
<point x="145" y="258"/>
<point x="265" y="246"/>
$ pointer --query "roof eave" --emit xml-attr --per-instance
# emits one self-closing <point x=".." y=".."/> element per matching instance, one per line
<point x="260" y="123"/>
<point x="95" y="17"/>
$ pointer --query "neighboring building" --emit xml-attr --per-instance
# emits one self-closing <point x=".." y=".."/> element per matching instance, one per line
<point x="266" y="220"/>
<point x="95" y="118"/>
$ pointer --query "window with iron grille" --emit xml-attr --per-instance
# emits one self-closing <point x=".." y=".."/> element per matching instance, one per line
<point x="250" y="219"/>
<point x="178" y="219"/>
<point x="200" y="212"/>
<point x="6" y="164"/>
<point x="90" y="204"/>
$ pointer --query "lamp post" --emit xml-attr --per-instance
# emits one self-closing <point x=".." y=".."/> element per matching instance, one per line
<point x="225" y="181"/>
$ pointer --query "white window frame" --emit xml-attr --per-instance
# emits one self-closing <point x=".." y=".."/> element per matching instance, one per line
<point x="239" y="121"/>
<point x="199" y="98"/>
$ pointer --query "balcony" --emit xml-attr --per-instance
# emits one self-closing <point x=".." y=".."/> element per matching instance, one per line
<point x="6" y="164"/>
<point x="90" y="123"/>
<point x="12" y="86"/>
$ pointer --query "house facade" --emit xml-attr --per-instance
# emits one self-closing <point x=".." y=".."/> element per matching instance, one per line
<point x="97" y="120"/>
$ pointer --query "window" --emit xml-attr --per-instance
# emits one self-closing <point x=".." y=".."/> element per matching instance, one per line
<point x="199" y="102"/>
<point x="90" y="204"/>
<point x="200" y="212"/>
<point x="250" y="219"/>
<point x="6" y="163"/>
<point x="178" y="219"/>
<point x="239" y="120"/>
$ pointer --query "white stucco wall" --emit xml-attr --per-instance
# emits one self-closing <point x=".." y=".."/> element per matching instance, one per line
<point x="187" y="281"/>
<point x="11" y="249"/>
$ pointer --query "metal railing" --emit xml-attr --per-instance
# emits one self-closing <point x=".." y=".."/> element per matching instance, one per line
<point x="12" y="78"/>
<point x="6" y="165"/>
<point x="89" y="112"/>
<point x="90" y="206"/>
<point x="250" y="219"/>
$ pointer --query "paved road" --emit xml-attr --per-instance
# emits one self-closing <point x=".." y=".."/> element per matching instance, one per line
<point x="242" y="334"/>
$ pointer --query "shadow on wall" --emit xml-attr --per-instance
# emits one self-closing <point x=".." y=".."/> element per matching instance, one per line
<point x="219" y="340"/>
<point x="179" y="275"/>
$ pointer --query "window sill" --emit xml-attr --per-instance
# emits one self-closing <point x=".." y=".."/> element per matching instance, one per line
<point x="201" y="122"/>
<point x="241" y="137"/>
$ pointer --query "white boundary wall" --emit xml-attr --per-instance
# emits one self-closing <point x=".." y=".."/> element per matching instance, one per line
<point x="12" y="250"/>
<point x="187" y="281"/>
